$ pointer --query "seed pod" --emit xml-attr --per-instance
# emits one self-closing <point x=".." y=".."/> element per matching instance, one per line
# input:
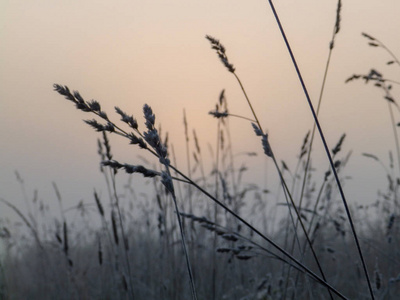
<point x="65" y="238"/>
<point x="98" y="203"/>
<point x="114" y="227"/>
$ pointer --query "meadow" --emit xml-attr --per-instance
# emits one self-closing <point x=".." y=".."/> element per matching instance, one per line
<point x="206" y="232"/>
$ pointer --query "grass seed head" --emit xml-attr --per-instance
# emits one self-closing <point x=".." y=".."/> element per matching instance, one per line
<point x="126" y="118"/>
<point x="98" y="203"/>
<point x="114" y="228"/>
<point x="220" y="49"/>
<point x="368" y="36"/>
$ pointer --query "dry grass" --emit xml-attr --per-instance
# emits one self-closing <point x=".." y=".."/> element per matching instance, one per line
<point x="206" y="233"/>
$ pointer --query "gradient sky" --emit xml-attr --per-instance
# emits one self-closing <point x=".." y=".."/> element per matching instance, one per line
<point x="127" y="53"/>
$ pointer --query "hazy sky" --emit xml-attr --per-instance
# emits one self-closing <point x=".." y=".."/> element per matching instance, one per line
<point x="127" y="53"/>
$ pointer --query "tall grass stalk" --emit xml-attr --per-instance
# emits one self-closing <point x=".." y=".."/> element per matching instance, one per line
<point x="382" y="83"/>
<point x="374" y="42"/>
<point x="321" y="93"/>
<point x="124" y="237"/>
<point x="116" y="205"/>
<point x="189" y="169"/>
<point x="336" y="30"/>
<point x="167" y="181"/>
<point x="216" y="185"/>
<point x="321" y="133"/>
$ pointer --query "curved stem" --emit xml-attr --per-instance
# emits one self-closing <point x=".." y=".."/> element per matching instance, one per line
<point x="248" y="101"/>
<point x="241" y="117"/>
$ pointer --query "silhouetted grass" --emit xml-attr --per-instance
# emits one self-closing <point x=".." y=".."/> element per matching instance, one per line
<point x="206" y="233"/>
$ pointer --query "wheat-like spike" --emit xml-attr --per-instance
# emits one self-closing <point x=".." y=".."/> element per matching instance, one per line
<point x="65" y="230"/>
<point x="114" y="228"/>
<point x="107" y="145"/>
<point x="100" y="127"/>
<point x="130" y="120"/>
<point x="371" y="38"/>
<point x="130" y="169"/>
<point x="377" y="277"/>
<point x="338" y="146"/>
<point x="166" y="180"/>
<point x="220" y="49"/>
<point x="98" y="203"/>
<point x="338" y="18"/>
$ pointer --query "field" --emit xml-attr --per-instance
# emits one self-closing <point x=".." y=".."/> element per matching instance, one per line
<point x="204" y="231"/>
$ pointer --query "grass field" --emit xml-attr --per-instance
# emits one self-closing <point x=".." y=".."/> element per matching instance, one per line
<point x="206" y="232"/>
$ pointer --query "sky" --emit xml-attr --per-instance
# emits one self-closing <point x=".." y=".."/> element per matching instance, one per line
<point x="127" y="53"/>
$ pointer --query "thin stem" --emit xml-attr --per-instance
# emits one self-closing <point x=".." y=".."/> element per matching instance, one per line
<point x="325" y="146"/>
<point x="387" y="50"/>
<point x="307" y="166"/>
<point x="189" y="168"/>
<point x="183" y="239"/>
<point x="248" y="101"/>
<point x="241" y="117"/>
<point x="391" y="81"/>
<point x="124" y="237"/>
<point x="214" y="257"/>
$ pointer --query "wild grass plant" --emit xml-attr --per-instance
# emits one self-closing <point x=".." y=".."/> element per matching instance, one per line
<point x="207" y="233"/>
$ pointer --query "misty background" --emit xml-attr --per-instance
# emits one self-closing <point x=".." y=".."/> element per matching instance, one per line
<point x="127" y="53"/>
